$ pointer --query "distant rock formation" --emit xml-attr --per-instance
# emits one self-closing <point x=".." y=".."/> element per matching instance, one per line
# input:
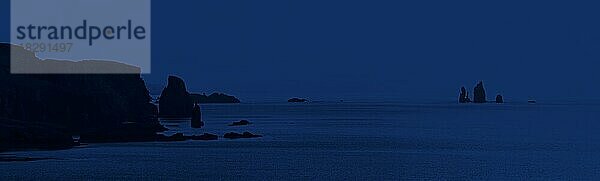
<point x="175" y="137"/>
<point x="499" y="99"/>
<point x="197" y="117"/>
<point x="233" y="135"/>
<point x="240" y="123"/>
<point x="97" y="107"/>
<point x="297" y="100"/>
<point x="205" y="136"/>
<point x="214" y="98"/>
<point x="479" y="93"/>
<point x="464" y="96"/>
<point x="175" y="100"/>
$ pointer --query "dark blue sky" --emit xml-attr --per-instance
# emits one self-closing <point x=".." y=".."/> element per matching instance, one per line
<point x="346" y="49"/>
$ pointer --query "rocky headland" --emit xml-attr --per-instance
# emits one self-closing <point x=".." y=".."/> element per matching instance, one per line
<point x="176" y="102"/>
<point x="48" y="111"/>
<point x="214" y="98"/>
<point x="95" y="107"/>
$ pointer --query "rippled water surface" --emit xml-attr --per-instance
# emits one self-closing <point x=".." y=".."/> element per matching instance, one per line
<point x="340" y="141"/>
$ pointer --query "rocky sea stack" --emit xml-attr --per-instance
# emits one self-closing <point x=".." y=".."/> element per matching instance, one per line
<point x="479" y="93"/>
<point x="197" y="117"/>
<point x="175" y="100"/>
<point x="464" y="96"/>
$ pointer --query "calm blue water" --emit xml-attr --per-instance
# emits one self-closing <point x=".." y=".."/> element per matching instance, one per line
<point x="349" y="141"/>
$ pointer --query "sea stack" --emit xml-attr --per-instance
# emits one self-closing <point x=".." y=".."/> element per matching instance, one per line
<point x="479" y="93"/>
<point x="175" y="100"/>
<point x="197" y="117"/>
<point x="499" y="99"/>
<point x="464" y="96"/>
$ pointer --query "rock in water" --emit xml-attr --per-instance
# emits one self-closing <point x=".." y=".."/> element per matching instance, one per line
<point x="479" y="93"/>
<point x="205" y="136"/>
<point x="464" y="96"/>
<point x="197" y="117"/>
<point x="240" y="123"/>
<point x="499" y="99"/>
<point x="233" y="135"/>
<point x="297" y="100"/>
<point x="214" y="98"/>
<point x="175" y="100"/>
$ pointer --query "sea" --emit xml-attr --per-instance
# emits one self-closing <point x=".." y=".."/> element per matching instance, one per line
<point x="348" y="141"/>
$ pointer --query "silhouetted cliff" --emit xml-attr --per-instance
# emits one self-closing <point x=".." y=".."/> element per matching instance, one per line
<point x="21" y="135"/>
<point x="99" y="107"/>
<point x="175" y="100"/>
<point x="214" y="98"/>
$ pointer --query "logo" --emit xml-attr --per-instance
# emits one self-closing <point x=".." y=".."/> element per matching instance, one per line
<point x="80" y="36"/>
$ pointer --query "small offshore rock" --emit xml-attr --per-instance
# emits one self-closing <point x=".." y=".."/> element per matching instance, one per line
<point x="205" y="136"/>
<point x="233" y="135"/>
<point x="499" y="99"/>
<point x="297" y="100"/>
<point x="240" y="123"/>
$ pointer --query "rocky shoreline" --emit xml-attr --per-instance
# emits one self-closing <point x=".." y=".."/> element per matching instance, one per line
<point x="47" y="111"/>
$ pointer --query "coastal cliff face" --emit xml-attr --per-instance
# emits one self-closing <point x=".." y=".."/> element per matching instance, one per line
<point x="23" y="135"/>
<point x="175" y="100"/>
<point x="98" y="107"/>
